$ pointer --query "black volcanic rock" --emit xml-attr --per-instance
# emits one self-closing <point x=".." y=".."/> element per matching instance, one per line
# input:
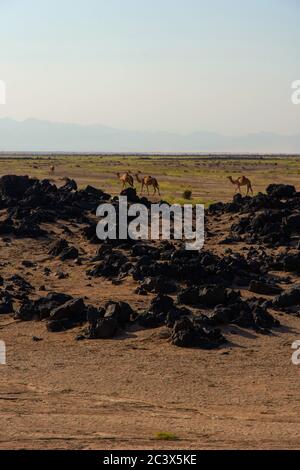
<point x="188" y="334"/>
<point x="281" y="191"/>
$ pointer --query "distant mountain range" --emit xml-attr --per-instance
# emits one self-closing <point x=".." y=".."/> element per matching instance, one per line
<point x="42" y="136"/>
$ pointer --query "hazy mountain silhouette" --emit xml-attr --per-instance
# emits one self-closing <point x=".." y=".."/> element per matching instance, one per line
<point x="36" y="135"/>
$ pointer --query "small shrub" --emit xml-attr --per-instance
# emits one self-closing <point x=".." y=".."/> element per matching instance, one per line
<point x="165" y="436"/>
<point x="187" y="194"/>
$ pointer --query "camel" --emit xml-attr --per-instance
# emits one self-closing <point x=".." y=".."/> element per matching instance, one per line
<point x="241" y="181"/>
<point x="148" y="181"/>
<point x="125" y="178"/>
<point x="52" y="169"/>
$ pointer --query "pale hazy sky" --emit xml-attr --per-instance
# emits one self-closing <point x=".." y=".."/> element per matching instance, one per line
<point x="171" y="65"/>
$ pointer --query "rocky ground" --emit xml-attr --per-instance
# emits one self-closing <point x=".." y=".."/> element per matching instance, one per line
<point x="109" y="343"/>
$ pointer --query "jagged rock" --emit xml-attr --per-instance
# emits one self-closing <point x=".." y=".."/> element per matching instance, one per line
<point x="215" y="295"/>
<point x="250" y="313"/>
<point x="189" y="296"/>
<point x="70" y="185"/>
<point x="188" y="334"/>
<point x="73" y="309"/>
<point x="104" y="328"/>
<point x="121" y="311"/>
<point x="25" y="229"/>
<point x="293" y="222"/>
<point x="14" y="186"/>
<point x="264" y="288"/>
<point x="61" y="275"/>
<point x="69" y="253"/>
<point x="281" y="191"/>
<point x="28" y="263"/>
<point x="6" y="305"/>
<point x="41" y="308"/>
<point x="288" y="298"/>
<point x="175" y="314"/>
<point x="288" y="262"/>
<point x="158" y="284"/>
<point x="157" y="313"/>
<point x="58" y="247"/>
<point x="131" y="195"/>
<point x="263" y="320"/>
<point x="161" y="304"/>
<point x="112" y="265"/>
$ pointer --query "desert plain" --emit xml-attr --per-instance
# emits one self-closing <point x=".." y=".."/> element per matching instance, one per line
<point x="137" y="390"/>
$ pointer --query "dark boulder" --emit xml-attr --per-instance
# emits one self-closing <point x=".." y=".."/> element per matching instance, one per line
<point x="6" y="304"/>
<point x="70" y="185"/>
<point x="112" y="265"/>
<point x="158" y="285"/>
<point x="161" y="304"/>
<point x="175" y="314"/>
<point x="73" y="309"/>
<point x="293" y="222"/>
<point x="288" y="298"/>
<point x="7" y="227"/>
<point x="221" y="315"/>
<point x="41" y="308"/>
<point x="263" y="288"/>
<point x="121" y="311"/>
<point x="281" y="191"/>
<point x="103" y="328"/>
<point x="189" y="334"/>
<point x="44" y="305"/>
<point x="289" y="262"/>
<point x="263" y="320"/>
<point x="157" y="313"/>
<point x="26" y="311"/>
<point x="69" y="253"/>
<point x="27" y="229"/>
<point x="150" y="319"/>
<point x="215" y="295"/>
<point x="15" y="186"/>
<point x="131" y="195"/>
<point x="58" y="247"/>
<point x="188" y="296"/>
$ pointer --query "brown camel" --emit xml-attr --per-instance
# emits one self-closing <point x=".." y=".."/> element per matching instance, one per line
<point x="241" y="181"/>
<point x="125" y="178"/>
<point x="148" y="181"/>
<point x="52" y="169"/>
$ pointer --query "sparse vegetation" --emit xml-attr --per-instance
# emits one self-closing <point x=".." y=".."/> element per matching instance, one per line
<point x="204" y="177"/>
<point x="166" y="436"/>
<point x="187" y="194"/>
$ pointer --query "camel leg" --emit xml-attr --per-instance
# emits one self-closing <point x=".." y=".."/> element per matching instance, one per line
<point x="142" y="187"/>
<point x="148" y="190"/>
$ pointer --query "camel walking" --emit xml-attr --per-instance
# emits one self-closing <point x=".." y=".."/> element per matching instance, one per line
<point x="125" y="178"/>
<point x="241" y="181"/>
<point x="52" y="169"/>
<point x="148" y="181"/>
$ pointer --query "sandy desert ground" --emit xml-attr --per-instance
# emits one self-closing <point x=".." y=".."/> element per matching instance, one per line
<point x="59" y="393"/>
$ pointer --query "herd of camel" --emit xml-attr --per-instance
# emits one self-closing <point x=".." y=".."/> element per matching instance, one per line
<point x="145" y="181"/>
<point x="148" y="181"/>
